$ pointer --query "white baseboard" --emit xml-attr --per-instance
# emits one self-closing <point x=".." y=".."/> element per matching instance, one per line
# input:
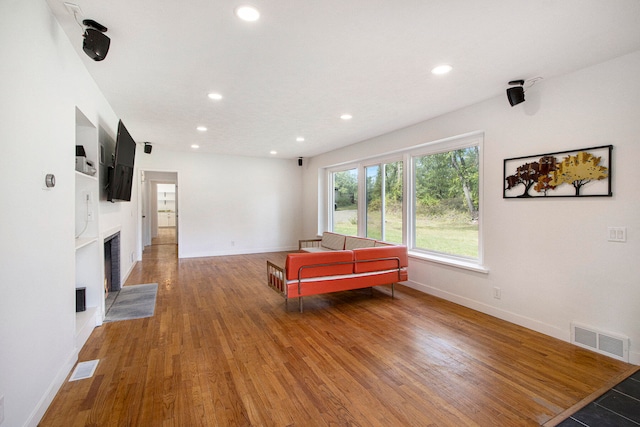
<point x="515" y="318"/>
<point x="536" y="325"/>
<point x="42" y="406"/>
<point x="126" y="276"/>
<point x="239" y="251"/>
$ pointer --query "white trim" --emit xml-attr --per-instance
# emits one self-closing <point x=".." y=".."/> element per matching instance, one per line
<point x="110" y="232"/>
<point x="447" y="144"/>
<point x="450" y="261"/>
<point x="38" y="412"/>
<point x="407" y="155"/>
<point x="474" y="139"/>
<point x="206" y="254"/>
<point x="508" y="316"/>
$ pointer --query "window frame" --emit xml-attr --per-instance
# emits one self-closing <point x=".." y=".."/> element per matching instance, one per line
<point x="331" y="193"/>
<point x="437" y="147"/>
<point x="382" y="162"/>
<point x="406" y="156"/>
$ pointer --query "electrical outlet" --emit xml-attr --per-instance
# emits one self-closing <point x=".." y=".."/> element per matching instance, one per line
<point x="131" y="256"/>
<point x="1" y="409"/>
<point x="497" y="293"/>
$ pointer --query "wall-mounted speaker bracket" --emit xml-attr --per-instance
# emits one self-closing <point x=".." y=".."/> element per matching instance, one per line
<point x="95" y="25"/>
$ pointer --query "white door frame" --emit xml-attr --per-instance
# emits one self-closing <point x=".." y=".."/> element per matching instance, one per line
<point x="147" y="205"/>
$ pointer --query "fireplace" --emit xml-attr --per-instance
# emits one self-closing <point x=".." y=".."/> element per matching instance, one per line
<point x="112" y="262"/>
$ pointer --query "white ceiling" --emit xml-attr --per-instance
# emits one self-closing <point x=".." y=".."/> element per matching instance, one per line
<point x="305" y="62"/>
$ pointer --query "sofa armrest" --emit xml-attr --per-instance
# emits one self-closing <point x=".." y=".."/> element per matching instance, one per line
<point x="276" y="278"/>
<point x="309" y="243"/>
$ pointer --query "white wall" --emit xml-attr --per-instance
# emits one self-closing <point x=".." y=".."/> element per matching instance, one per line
<point x="123" y="217"/>
<point x="255" y="203"/>
<point x="42" y="81"/>
<point x="550" y="257"/>
<point x="230" y="204"/>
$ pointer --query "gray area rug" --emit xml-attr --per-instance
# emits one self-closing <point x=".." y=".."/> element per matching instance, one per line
<point x="132" y="302"/>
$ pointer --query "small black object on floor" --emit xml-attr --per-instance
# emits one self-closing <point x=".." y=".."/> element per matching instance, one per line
<point x="619" y="407"/>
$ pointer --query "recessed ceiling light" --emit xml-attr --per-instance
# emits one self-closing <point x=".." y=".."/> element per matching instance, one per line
<point x="346" y="117"/>
<point x="247" y="13"/>
<point x="202" y="128"/>
<point x="215" y="96"/>
<point x="441" y="69"/>
<point x="274" y="152"/>
<point x="195" y="146"/>
<point x="300" y="139"/>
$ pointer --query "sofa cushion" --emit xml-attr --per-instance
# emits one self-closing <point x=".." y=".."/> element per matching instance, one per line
<point x="352" y="242"/>
<point x="297" y="260"/>
<point x="315" y="249"/>
<point x="372" y="254"/>
<point x="332" y="241"/>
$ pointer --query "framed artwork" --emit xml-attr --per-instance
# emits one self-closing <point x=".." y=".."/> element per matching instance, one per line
<point x="577" y="173"/>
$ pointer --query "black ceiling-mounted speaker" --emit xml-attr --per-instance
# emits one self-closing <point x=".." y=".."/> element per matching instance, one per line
<point x="96" y="43"/>
<point x="299" y="161"/>
<point x="516" y="94"/>
<point x="147" y="148"/>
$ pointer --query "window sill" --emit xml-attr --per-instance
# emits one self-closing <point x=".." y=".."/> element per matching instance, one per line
<point x="459" y="263"/>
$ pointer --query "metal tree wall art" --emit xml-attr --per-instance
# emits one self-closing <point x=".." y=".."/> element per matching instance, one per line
<point x="578" y="173"/>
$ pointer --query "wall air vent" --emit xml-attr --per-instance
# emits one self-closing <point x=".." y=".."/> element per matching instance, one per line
<point x="612" y="345"/>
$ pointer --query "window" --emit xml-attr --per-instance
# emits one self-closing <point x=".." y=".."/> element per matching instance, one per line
<point x="446" y="202"/>
<point x="344" y="218"/>
<point x="384" y="192"/>
<point x="374" y="201"/>
<point x="427" y="197"/>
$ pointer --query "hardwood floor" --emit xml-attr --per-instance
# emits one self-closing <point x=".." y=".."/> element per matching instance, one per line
<point x="222" y="351"/>
<point x="166" y="236"/>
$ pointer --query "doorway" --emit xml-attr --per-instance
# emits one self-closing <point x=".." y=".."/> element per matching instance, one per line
<point x="159" y="206"/>
<point x="166" y="215"/>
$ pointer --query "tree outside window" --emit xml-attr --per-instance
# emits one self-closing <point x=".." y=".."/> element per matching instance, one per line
<point x="345" y="202"/>
<point x="446" y="202"/>
<point x="384" y="202"/>
<point x="443" y="209"/>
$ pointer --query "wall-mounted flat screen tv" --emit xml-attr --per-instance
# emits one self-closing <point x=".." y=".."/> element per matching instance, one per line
<point x="121" y="173"/>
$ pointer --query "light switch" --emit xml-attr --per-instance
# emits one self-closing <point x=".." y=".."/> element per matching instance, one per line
<point x="617" y="234"/>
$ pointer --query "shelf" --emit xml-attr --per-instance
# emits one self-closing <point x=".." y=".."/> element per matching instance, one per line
<point x="81" y="242"/>
<point x="89" y="270"/>
<point x="84" y="317"/>
<point x="85" y="322"/>
<point x="87" y="176"/>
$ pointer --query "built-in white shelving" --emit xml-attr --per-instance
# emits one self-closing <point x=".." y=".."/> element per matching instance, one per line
<point x="166" y="205"/>
<point x="89" y="251"/>
<point x="81" y="242"/>
<point x="85" y="322"/>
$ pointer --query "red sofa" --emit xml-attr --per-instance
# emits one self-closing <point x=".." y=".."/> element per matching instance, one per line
<point x="306" y="274"/>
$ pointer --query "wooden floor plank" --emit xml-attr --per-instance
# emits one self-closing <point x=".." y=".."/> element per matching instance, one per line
<point x="222" y="350"/>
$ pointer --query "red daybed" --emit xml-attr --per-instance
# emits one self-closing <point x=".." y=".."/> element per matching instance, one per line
<point x="306" y="274"/>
